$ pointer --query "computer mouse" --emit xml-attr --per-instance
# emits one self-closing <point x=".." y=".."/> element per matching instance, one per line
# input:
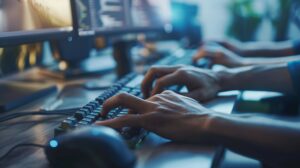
<point x="90" y="147"/>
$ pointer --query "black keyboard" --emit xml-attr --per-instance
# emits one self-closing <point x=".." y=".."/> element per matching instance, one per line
<point x="90" y="113"/>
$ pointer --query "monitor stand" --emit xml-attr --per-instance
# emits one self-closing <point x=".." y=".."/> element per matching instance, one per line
<point x="76" y="62"/>
<point x="90" y="67"/>
<point x="74" y="59"/>
<point x="123" y="57"/>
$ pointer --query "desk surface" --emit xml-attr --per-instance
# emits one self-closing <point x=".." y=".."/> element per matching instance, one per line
<point x="155" y="151"/>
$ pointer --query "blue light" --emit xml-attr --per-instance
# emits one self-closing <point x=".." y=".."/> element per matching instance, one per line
<point x="53" y="143"/>
<point x="96" y="132"/>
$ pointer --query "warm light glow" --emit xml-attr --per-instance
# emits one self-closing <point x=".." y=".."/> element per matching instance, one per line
<point x="63" y="65"/>
<point x="32" y="56"/>
<point x="21" y="57"/>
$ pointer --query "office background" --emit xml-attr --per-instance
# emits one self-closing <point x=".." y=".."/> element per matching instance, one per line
<point x="258" y="20"/>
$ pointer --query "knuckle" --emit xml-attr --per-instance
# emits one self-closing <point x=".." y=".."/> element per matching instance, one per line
<point x="159" y="82"/>
<point x="121" y="96"/>
<point x="181" y="72"/>
<point x="160" y="109"/>
<point x="156" y="97"/>
<point x="153" y="69"/>
<point x="168" y="92"/>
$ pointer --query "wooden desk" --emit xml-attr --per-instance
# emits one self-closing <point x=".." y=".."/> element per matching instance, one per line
<point x="155" y="152"/>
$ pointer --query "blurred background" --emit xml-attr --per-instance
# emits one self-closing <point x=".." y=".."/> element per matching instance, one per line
<point x="247" y="20"/>
<point x="243" y="20"/>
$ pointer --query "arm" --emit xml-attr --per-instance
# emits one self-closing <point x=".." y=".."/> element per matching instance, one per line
<point x="179" y="118"/>
<point x="204" y="85"/>
<point x="275" y="143"/>
<point x="265" y="61"/>
<point x="223" y="56"/>
<point x="267" y="78"/>
<point x="269" y="49"/>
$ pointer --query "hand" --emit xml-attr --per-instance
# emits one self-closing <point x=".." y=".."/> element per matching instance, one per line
<point x="202" y="84"/>
<point x="170" y="115"/>
<point x="230" y="44"/>
<point x="219" y="55"/>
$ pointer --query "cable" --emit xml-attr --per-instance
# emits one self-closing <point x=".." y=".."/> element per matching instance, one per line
<point x="21" y="145"/>
<point x="46" y="113"/>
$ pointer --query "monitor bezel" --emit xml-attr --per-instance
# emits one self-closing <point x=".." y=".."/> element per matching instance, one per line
<point x="115" y="31"/>
<point x="25" y="37"/>
<point x="130" y="31"/>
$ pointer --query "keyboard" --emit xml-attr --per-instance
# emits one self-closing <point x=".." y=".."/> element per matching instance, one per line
<point x="90" y="113"/>
<point x="183" y="57"/>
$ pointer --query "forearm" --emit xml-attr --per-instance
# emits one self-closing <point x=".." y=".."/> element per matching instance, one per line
<point x="273" y="77"/>
<point x="266" y="61"/>
<point x="266" y="49"/>
<point x="270" y="141"/>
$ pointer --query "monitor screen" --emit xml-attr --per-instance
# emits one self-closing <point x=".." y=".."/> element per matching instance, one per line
<point x="150" y="13"/>
<point x="34" y="17"/>
<point x="104" y="16"/>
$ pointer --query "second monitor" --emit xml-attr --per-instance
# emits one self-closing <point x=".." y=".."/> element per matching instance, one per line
<point x="104" y="17"/>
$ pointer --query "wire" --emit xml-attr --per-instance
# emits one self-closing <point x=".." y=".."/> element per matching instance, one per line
<point x="18" y="146"/>
<point x="65" y="112"/>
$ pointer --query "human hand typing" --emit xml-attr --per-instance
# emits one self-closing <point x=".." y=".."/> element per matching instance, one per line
<point x="202" y="84"/>
<point x="169" y="115"/>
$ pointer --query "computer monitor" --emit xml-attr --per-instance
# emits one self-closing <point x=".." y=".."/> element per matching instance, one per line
<point x="115" y="18"/>
<point x="23" y="21"/>
<point x="106" y="17"/>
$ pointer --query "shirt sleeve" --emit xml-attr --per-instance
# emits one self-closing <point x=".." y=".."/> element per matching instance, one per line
<point x="296" y="47"/>
<point x="294" y="69"/>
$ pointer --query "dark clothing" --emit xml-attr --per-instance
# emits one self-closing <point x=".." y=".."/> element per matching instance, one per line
<point x="294" y="69"/>
<point x="297" y="47"/>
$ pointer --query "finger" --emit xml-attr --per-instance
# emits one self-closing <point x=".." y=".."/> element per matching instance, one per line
<point x="152" y="74"/>
<point x="129" y="120"/>
<point x="204" y="53"/>
<point x="199" y="95"/>
<point x="125" y="100"/>
<point x="166" y="81"/>
<point x="199" y="55"/>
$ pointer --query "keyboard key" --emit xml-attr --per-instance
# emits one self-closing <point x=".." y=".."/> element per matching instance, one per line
<point x="93" y="118"/>
<point x="110" y="116"/>
<point x="125" y="89"/>
<point x="120" y="115"/>
<point x="135" y="93"/>
<point x="100" y="99"/>
<point x="88" y="120"/>
<point x="124" y="111"/>
<point x="94" y="104"/>
<point x="85" y="111"/>
<point x="95" y="114"/>
<point x="83" y="123"/>
<point x="67" y="124"/>
<point x="88" y="108"/>
<point x="79" y="115"/>
<point x="100" y="119"/>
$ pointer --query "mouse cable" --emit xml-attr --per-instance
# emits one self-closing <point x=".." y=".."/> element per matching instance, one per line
<point x="19" y="146"/>
<point x="65" y="112"/>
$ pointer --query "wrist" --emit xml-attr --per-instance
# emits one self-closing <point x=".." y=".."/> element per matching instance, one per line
<point x="226" y="80"/>
<point x="213" y="127"/>
<point x="217" y="126"/>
